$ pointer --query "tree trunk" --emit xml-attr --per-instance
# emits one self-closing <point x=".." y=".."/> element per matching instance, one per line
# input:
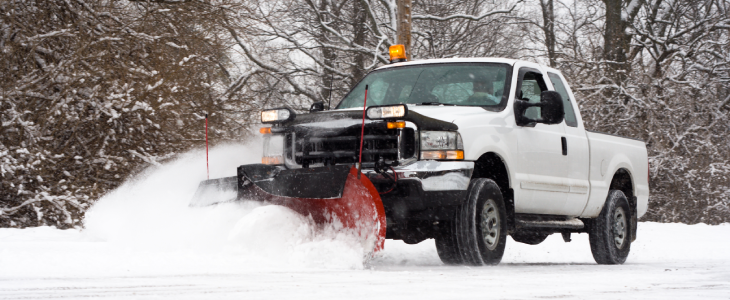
<point x="616" y="41"/>
<point x="329" y="56"/>
<point x="548" y="27"/>
<point x="360" y="31"/>
<point x="404" y="25"/>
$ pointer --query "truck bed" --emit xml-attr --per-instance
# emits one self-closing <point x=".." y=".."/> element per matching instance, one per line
<point x="608" y="154"/>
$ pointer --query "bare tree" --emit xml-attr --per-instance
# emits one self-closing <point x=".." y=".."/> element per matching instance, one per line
<point x="317" y="47"/>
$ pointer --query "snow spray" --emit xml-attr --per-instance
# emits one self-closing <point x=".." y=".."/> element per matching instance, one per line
<point x="150" y="213"/>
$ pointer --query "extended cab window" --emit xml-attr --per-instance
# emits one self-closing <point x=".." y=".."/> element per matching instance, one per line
<point x="532" y="85"/>
<point x="559" y="86"/>
<point x="467" y="84"/>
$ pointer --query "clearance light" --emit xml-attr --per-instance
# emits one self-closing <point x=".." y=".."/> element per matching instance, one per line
<point x="397" y="53"/>
<point x="272" y="160"/>
<point x="453" y="154"/>
<point x="265" y="130"/>
<point x="396" y="125"/>
<point x="278" y="115"/>
<point x="387" y="112"/>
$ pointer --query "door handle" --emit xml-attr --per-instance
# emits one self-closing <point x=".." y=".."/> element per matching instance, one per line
<point x="565" y="145"/>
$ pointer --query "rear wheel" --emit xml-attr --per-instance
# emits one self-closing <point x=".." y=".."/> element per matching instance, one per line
<point x="480" y="226"/>
<point x="609" y="233"/>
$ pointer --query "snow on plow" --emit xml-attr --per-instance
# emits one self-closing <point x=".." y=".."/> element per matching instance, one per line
<point x="332" y="196"/>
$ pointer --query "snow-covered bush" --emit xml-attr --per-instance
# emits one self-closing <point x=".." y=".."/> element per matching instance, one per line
<point x="93" y="91"/>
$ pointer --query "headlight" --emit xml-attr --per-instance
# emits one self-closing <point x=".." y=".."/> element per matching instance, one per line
<point x="441" y="140"/>
<point x="441" y="145"/>
<point x="387" y="112"/>
<point x="278" y="115"/>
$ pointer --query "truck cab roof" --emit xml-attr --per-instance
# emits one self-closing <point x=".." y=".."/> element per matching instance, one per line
<point x="452" y="60"/>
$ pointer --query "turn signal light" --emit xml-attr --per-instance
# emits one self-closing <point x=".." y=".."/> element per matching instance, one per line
<point x="265" y="130"/>
<point x="272" y="160"/>
<point x="396" y="125"/>
<point x="397" y="53"/>
<point x="451" y="154"/>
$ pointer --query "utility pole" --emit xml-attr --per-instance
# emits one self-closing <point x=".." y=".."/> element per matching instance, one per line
<point x="404" y="25"/>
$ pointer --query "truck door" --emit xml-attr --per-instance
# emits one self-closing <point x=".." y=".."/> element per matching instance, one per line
<point x="576" y="146"/>
<point x="542" y="169"/>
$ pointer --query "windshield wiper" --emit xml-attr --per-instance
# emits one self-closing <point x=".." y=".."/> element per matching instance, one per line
<point x="435" y="103"/>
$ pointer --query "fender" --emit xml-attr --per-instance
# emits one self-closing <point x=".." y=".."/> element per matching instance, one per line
<point x="601" y="184"/>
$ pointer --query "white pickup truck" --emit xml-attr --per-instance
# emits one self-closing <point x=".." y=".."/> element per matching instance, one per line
<point x="468" y="151"/>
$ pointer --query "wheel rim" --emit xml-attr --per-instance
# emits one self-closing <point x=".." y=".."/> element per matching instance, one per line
<point x="619" y="227"/>
<point x="490" y="224"/>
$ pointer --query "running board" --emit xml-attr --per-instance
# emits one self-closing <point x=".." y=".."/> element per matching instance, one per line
<point x="572" y="223"/>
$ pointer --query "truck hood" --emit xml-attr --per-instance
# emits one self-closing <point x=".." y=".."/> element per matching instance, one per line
<point x="445" y="113"/>
<point x="450" y="114"/>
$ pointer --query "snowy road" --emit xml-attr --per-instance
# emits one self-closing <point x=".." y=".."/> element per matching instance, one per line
<point x="44" y="263"/>
<point x="142" y="241"/>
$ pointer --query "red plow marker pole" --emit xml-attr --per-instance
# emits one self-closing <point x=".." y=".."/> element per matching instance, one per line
<point x="362" y="132"/>
<point x="207" y="167"/>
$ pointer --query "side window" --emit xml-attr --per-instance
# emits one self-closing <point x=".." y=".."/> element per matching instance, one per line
<point x="532" y="86"/>
<point x="570" y="119"/>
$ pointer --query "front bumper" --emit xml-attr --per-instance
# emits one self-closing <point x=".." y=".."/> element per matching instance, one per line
<point x="432" y="175"/>
<point x="425" y="190"/>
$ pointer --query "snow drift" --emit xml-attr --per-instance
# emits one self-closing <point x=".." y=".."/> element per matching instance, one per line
<point x="151" y="213"/>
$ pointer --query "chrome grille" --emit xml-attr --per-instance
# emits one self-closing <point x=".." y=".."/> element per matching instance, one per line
<point x="307" y="148"/>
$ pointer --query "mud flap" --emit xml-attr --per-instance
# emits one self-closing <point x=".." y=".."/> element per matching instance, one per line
<point x="634" y="218"/>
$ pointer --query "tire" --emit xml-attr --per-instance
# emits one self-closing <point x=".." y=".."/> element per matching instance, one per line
<point x="609" y="234"/>
<point x="447" y="247"/>
<point x="481" y="224"/>
<point x="529" y="237"/>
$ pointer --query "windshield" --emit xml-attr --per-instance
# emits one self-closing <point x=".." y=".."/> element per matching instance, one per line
<point x="468" y="84"/>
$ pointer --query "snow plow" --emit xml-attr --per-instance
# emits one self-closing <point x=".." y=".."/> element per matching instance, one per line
<point x="332" y="195"/>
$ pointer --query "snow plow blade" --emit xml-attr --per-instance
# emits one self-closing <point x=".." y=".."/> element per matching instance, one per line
<point x="215" y="191"/>
<point x="332" y="195"/>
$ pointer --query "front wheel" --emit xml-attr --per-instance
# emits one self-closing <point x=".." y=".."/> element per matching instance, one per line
<point x="481" y="224"/>
<point x="609" y="233"/>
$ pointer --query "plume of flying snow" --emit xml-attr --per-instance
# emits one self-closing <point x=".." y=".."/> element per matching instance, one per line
<point x="151" y="213"/>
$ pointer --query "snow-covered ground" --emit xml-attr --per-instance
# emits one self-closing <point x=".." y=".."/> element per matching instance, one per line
<point x="143" y="242"/>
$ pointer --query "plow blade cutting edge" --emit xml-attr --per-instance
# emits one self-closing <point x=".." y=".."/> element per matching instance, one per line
<point x="332" y="195"/>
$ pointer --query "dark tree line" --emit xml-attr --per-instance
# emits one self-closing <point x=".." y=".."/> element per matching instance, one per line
<point x="93" y="91"/>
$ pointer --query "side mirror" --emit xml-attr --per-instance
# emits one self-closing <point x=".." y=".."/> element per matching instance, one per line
<point x="551" y="110"/>
<point x="316" y="106"/>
